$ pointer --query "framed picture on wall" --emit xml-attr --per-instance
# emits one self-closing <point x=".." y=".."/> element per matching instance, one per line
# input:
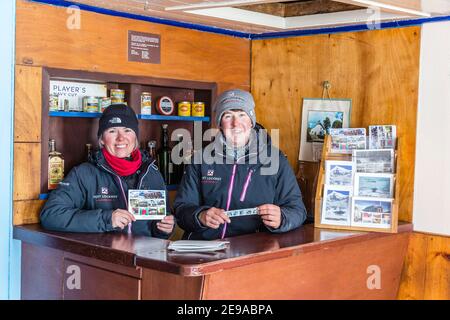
<point x="318" y="117"/>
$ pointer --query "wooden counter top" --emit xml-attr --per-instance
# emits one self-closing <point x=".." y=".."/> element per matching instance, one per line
<point x="152" y="253"/>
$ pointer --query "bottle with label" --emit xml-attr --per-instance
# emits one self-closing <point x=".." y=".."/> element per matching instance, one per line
<point x="55" y="166"/>
<point x="89" y="152"/>
<point x="152" y="149"/>
<point x="164" y="151"/>
<point x="178" y="168"/>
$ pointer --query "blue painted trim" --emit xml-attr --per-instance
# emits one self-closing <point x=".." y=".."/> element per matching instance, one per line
<point x="172" y="118"/>
<point x="251" y="36"/>
<point x="75" y="114"/>
<point x="61" y="3"/>
<point x="353" y="28"/>
<point x="43" y="196"/>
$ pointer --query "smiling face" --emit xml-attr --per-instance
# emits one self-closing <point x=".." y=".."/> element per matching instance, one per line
<point x="119" y="141"/>
<point x="236" y="126"/>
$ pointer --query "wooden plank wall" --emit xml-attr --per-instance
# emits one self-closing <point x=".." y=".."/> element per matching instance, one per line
<point x="379" y="71"/>
<point x="43" y="39"/>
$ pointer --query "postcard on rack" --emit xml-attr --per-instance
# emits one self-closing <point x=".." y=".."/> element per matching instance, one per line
<point x="376" y="185"/>
<point x="336" y="205"/>
<point x="374" y="161"/>
<point x="382" y="137"/>
<point x="371" y="212"/>
<point x="147" y="204"/>
<point x="344" y="140"/>
<point x="339" y="173"/>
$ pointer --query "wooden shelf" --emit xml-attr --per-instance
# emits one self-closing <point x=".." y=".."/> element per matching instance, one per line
<point x="172" y="118"/>
<point x="140" y="116"/>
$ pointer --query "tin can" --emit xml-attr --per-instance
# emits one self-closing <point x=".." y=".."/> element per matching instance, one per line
<point x="90" y="104"/>
<point x="53" y="102"/>
<point x="165" y="106"/>
<point x="198" y="109"/>
<point x="103" y="103"/>
<point x="146" y="103"/>
<point x="184" y="109"/>
<point x="117" y="96"/>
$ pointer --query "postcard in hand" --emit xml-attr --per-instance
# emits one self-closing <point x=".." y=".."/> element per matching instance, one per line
<point x="339" y="173"/>
<point x="147" y="204"/>
<point x="377" y="185"/>
<point x="374" y="161"/>
<point x="336" y="205"/>
<point x="371" y="212"/>
<point x="382" y="137"/>
<point x="345" y="140"/>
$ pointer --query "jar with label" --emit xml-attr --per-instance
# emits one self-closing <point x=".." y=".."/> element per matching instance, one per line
<point x="146" y="103"/>
<point x="184" y="109"/>
<point x="117" y="96"/>
<point x="198" y="109"/>
<point x="90" y="104"/>
<point x="103" y="103"/>
<point x="53" y="102"/>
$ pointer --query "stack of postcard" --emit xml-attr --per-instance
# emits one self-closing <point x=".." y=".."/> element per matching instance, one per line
<point x="382" y="137"/>
<point x="345" y="140"/>
<point x="197" y="245"/>
<point x="359" y="193"/>
<point x="373" y="188"/>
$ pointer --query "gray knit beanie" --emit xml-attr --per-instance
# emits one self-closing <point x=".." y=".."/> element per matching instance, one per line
<point x="235" y="99"/>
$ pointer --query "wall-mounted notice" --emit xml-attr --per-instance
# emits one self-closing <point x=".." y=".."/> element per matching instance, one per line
<point x="144" y="47"/>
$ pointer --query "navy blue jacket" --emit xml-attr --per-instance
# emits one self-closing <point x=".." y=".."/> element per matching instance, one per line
<point x="85" y="199"/>
<point x="207" y="185"/>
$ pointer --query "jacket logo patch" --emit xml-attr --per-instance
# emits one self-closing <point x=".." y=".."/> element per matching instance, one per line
<point x="115" y="120"/>
<point x="104" y="190"/>
<point x="210" y="173"/>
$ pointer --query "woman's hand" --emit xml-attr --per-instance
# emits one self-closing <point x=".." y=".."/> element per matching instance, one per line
<point x="270" y="215"/>
<point x="121" y="218"/>
<point x="213" y="217"/>
<point x="166" y="224"/>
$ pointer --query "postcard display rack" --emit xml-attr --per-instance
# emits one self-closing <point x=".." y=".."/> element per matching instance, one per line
<point x="328" y="155"/>
<point x="73" y="130"/>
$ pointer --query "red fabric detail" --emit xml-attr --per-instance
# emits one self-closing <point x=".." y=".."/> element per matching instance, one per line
<point x="121" y="166"/>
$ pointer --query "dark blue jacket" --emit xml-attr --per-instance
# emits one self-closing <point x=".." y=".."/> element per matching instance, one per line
<point x="85" y="199"/>
<point x="207" y="185"/>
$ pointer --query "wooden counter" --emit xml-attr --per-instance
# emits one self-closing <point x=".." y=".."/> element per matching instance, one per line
<point x="307" y="263"/>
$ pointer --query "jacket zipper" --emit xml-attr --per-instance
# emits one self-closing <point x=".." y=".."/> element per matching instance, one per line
<point x="230" y="193"/>
<point x="123" y="192"/>
<point x="247" y="182"/>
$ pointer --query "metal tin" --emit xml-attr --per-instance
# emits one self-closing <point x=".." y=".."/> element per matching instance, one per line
<point x="184" y="109"/>
<point x="146" y="103"/>
<point x="53" y="102"/>
<point x="198" y="109"/>
<point x="90" y="104"/>
<point x="117" y="96"/>
<point x="165" y="106"/>
<point x="103" y="103"/>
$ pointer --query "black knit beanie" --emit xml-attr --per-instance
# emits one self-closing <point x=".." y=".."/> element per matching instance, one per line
<point x="118" y="115"/>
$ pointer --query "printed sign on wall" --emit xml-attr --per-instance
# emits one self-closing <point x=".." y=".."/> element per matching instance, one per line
<point x="144" y="47"/>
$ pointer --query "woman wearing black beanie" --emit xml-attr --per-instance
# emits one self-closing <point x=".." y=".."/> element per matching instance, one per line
<point x="93" y="197"/>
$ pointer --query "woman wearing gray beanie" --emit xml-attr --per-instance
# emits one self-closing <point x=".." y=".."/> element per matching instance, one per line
<point x="93" y="197"/>
<point x="235" y="180"/>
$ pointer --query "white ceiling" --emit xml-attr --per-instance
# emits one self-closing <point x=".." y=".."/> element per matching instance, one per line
<point x="226" y="14"/>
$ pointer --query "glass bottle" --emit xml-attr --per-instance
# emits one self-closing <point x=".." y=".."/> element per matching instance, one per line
<point x="152" y="149"/>
<point x="89" y="152"/>
<point x="164" y="151"/>
<point x="55" y="166"/>
<point x="179" y="167"/>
